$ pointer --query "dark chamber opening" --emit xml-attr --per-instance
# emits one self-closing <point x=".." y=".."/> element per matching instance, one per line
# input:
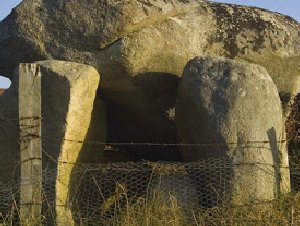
<point x="141" y="120"/>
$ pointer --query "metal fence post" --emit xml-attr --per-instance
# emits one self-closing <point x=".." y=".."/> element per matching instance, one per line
<point x="30" y="144"/>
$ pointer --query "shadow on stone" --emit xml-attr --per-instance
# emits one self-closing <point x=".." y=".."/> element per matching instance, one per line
<point x="54" y="113"/>
<point x="272" y="136"/>
<point x="145" y="114"/>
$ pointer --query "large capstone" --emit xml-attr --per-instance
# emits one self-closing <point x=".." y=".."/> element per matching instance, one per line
<point x="232" y="109"/>
<point x="140" y="44"/>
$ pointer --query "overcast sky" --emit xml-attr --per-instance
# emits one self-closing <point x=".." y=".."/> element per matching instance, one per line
<point x="288" y="7"/>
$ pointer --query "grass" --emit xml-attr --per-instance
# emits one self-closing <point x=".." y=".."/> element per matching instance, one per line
<point x="158" y="210"/>
<point x="283" y="211"/>
<point x="162" y="211"/>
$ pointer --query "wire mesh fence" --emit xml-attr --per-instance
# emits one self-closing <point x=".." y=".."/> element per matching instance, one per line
<point x="127" y="193"/>
<point x="9" y="202"/>
<point x="98" y="188"/>
<point x="158" y="193"/>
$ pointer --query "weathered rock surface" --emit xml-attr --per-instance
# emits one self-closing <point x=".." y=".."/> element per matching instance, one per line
<point x="69" y="99"/>
<point x="9" y="134"/>
<point x="71" y="112"/>
<point x="159" y="37"/>
<point x="234" y="107"/>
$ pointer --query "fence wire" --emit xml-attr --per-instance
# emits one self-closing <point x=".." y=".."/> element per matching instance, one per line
<point x="128" y="193"/>
<point x="97" y="189"/>
<point x="104" y="194"/>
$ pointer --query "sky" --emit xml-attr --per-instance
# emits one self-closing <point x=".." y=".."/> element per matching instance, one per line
<point x="288" y="7"/>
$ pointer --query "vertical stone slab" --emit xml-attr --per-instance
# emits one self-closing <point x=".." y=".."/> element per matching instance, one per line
<point x="235" y="107"/>
<point x="30" y="143"/>
<point x="72" y="116"/>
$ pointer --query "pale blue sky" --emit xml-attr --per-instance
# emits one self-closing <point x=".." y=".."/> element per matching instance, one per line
<point x="288" y="7"/>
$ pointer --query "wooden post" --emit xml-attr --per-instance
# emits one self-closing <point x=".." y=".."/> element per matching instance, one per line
<point x="30" y="144"/>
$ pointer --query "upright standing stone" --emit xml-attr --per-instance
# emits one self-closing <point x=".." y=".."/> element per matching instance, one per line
<point x="72" y="115"/>
<point x="30" y="143"/>
<point x="235" y="107"/>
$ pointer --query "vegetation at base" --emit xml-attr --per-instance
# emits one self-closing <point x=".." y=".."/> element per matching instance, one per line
<point x="162" y="211"/>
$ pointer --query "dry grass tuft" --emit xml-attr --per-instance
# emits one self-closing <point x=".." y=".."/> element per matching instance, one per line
<point x="160" y="211"/>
